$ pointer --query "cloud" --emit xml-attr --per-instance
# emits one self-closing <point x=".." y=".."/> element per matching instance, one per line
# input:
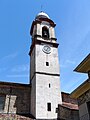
<point x="73" y="85"/>
<point x="18" y="76"/>
<point x="8" y="57"/>
<point x="70" y="62"/>
<point x="67" y="63"/>
<point x="21" y="68"/>
<point x="19" y="71"/>
<point x="73" y="82"/>
<point x="63" y="65"/>
<point x="2" y="80"/>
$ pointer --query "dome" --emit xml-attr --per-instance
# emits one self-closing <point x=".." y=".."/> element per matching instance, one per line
<point x="42" y="15"/>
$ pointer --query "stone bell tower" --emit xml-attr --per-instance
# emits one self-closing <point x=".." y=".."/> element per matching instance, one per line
<point x="44" y="69"/>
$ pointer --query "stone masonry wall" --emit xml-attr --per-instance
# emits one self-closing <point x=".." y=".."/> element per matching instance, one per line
<point x="84" y="98"/>
<point x="13" y="117"/>
<point x="84" y="110"/>
<point x="67" y="114"/>
<point x="17" y="98"/>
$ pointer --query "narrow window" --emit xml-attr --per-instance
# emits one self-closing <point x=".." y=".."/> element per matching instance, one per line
<point x="56" y="110"/>
<point x="89" y="74"/>
<point x="47" y="63"/>
<point x="62" y="98"/>
<point x="88" y="106"/>
<point x="45" y="32"/>
<point x="2" y="103"/>
<point x="49" y="85"/>
<point x="48" y="106"/>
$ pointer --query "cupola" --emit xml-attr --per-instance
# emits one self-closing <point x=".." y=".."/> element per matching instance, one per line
<point x="43" y="28"/>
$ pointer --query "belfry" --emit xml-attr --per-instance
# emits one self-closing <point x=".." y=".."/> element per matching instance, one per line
<point x="44" y="68"/>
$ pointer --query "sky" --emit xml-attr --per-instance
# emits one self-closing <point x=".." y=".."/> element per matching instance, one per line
<point x="72" y="18"/>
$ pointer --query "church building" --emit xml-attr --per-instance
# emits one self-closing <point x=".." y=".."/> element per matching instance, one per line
<point x="42" y="98"/>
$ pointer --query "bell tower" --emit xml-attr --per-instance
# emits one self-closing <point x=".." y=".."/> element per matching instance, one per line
<point x="44" y="69"/>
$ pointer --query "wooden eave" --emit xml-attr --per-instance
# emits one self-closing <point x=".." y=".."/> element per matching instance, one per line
<point x="84" y="87"/>
<point x="84" y="66"/>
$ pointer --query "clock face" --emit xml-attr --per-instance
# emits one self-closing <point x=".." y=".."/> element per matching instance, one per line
<point x="46" y="49"/>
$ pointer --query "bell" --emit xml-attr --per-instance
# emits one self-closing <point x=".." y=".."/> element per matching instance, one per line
<point x="45" y="34"/>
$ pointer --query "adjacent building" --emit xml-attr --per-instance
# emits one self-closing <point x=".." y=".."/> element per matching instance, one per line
<point x="82" y="93"/>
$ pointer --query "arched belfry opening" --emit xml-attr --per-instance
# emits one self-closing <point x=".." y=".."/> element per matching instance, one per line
<point x="43" y="28"/>
<point x="45" y="32"/>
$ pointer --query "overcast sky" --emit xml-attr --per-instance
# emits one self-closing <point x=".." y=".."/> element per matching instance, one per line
<point x="72" y="18"/>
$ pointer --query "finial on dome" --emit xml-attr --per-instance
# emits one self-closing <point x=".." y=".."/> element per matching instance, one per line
<point x="42" y="15"/>
<point x="41" y="7"/>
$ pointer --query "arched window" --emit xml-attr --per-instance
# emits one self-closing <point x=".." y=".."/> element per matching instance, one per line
<point x="45" y="32"/>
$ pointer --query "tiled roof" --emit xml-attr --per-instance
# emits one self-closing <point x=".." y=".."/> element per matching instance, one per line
<point x="70" y="105"/>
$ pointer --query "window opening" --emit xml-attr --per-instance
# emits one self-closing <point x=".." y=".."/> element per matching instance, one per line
<point x="45" y="32"/>
<point x="49" y="106"/>
<point x="88" y="106"/>
<point x="56" y="110"/>
<point x="47" y="63"/>
<point x="49" y="85"/>
<point x="2" y="102"/>
<point x="89" y="74"/>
